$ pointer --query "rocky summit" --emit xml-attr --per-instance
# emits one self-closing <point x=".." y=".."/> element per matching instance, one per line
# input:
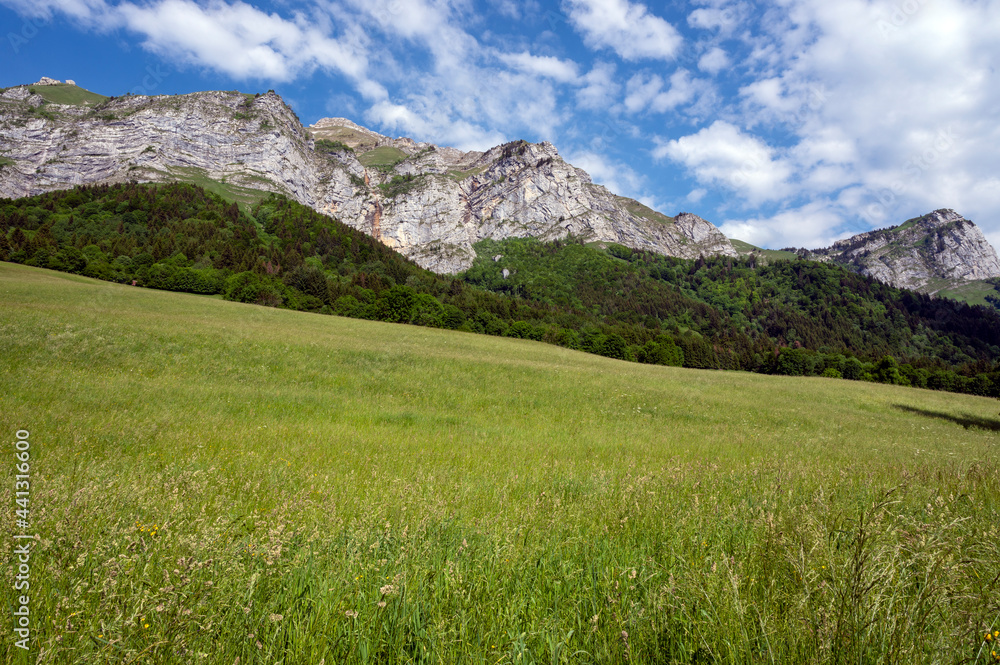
<point x="428" y="202"/>
<point x="919" y="253"/>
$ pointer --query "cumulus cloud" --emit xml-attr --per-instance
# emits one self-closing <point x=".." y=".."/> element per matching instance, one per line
<point x="238" y="39"/>
<point x="645" y="91"/>
<point x="887" y="100"/>
<point x="516" y="9"/>
<point x="713" y="61"/>
<point x="618" y="177"/>
<point x="600" y="87"/>
<point x="722" y="155"/>
<point x="81" y="10"/>
<point x="628" y="28"/>
<point x="564" y="71"/>
<point x="806" y="226"/>
<point x="400" y="120"/>
<point x="724" y="19"/>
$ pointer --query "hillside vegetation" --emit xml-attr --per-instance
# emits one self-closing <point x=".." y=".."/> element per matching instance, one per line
<point x="68" y="94"/>
<point x="212" y="481"/>
<point x="782" y="317"/>
<point x="785" y="317"/>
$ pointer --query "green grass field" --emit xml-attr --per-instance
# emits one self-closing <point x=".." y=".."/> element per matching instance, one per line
<point x="214" y="482"/>
<point x="384" y="157"/>
<point x="972" y="292"/>
<point x="245" y="197"/>
<point x="68" y="94"/>
<point x="643" y="211"/>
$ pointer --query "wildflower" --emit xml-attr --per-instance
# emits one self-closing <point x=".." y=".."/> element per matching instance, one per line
<point x="277" y="617"/>
<point x="351" y="614"/>
<point x="381" y="603"/>
<point x="989" y="637"/>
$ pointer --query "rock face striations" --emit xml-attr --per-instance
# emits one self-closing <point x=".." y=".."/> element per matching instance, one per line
<point x="941" y="245"/>
<point x="430" y="203"/>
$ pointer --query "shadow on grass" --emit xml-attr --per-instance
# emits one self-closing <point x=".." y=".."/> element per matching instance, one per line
<point x="966" y="420"/>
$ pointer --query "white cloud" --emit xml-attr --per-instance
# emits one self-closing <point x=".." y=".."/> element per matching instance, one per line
<point x="696" y="195"/>
<point x="645" y="91"/>
<point x="515" y="9"/>
<point x="641" y="90"/>
<point x="616" y="176"/>
<point x="713" y="61"/>
<point x="400" y="120"/>
<point x="628" y="28"/>
<point x="723" y="19"/>
<point x="890" y="101"/>
<point x="600" y="87"/>
<point x="238" y="39"/>
<point x="83" y="10"/>
<point x="806" y="226"/>
<point x="564" y="71"/>
<point x="722" y="155"/>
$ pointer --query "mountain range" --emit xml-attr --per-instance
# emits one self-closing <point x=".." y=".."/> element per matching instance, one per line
<point x="428" y="202"/>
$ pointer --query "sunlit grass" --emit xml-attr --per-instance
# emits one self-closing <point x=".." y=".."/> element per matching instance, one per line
<point x="214" y="480"/>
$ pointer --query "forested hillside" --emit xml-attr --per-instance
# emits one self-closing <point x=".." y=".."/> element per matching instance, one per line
<point x="788" y="317"/>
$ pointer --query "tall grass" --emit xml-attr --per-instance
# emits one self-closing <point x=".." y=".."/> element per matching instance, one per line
<point x="221" y="483"/>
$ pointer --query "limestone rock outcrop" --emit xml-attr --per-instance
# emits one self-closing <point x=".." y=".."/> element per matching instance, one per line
<point x="941" y="245"/>
<point x="430" y="203"/>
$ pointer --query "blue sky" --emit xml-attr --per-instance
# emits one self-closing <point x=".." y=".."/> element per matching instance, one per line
<point x="787" y="122"/>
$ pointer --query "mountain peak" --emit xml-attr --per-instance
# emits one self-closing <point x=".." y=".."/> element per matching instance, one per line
<point x="430" y="203"/>
<point x="919" y="253"/>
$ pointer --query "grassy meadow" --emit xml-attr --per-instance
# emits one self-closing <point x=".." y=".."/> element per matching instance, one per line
<point x="214" y="482"/>
<point x="63" y="93"/>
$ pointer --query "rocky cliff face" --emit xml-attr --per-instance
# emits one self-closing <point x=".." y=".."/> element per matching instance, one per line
<point x="430" y="203"/>
<point x="916" y="255"/>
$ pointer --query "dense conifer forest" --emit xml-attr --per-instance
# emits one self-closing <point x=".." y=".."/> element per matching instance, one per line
<point x="784" y="317"/>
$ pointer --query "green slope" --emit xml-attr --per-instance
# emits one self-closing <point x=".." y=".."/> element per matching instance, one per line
<point x="972" y="292"/>
<point x="245" y="482"/>
<point x="712" y="313"/>
<point x="384" y="157"/>
<point x="747" y="306"/>
<point x="68" y="94"/>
